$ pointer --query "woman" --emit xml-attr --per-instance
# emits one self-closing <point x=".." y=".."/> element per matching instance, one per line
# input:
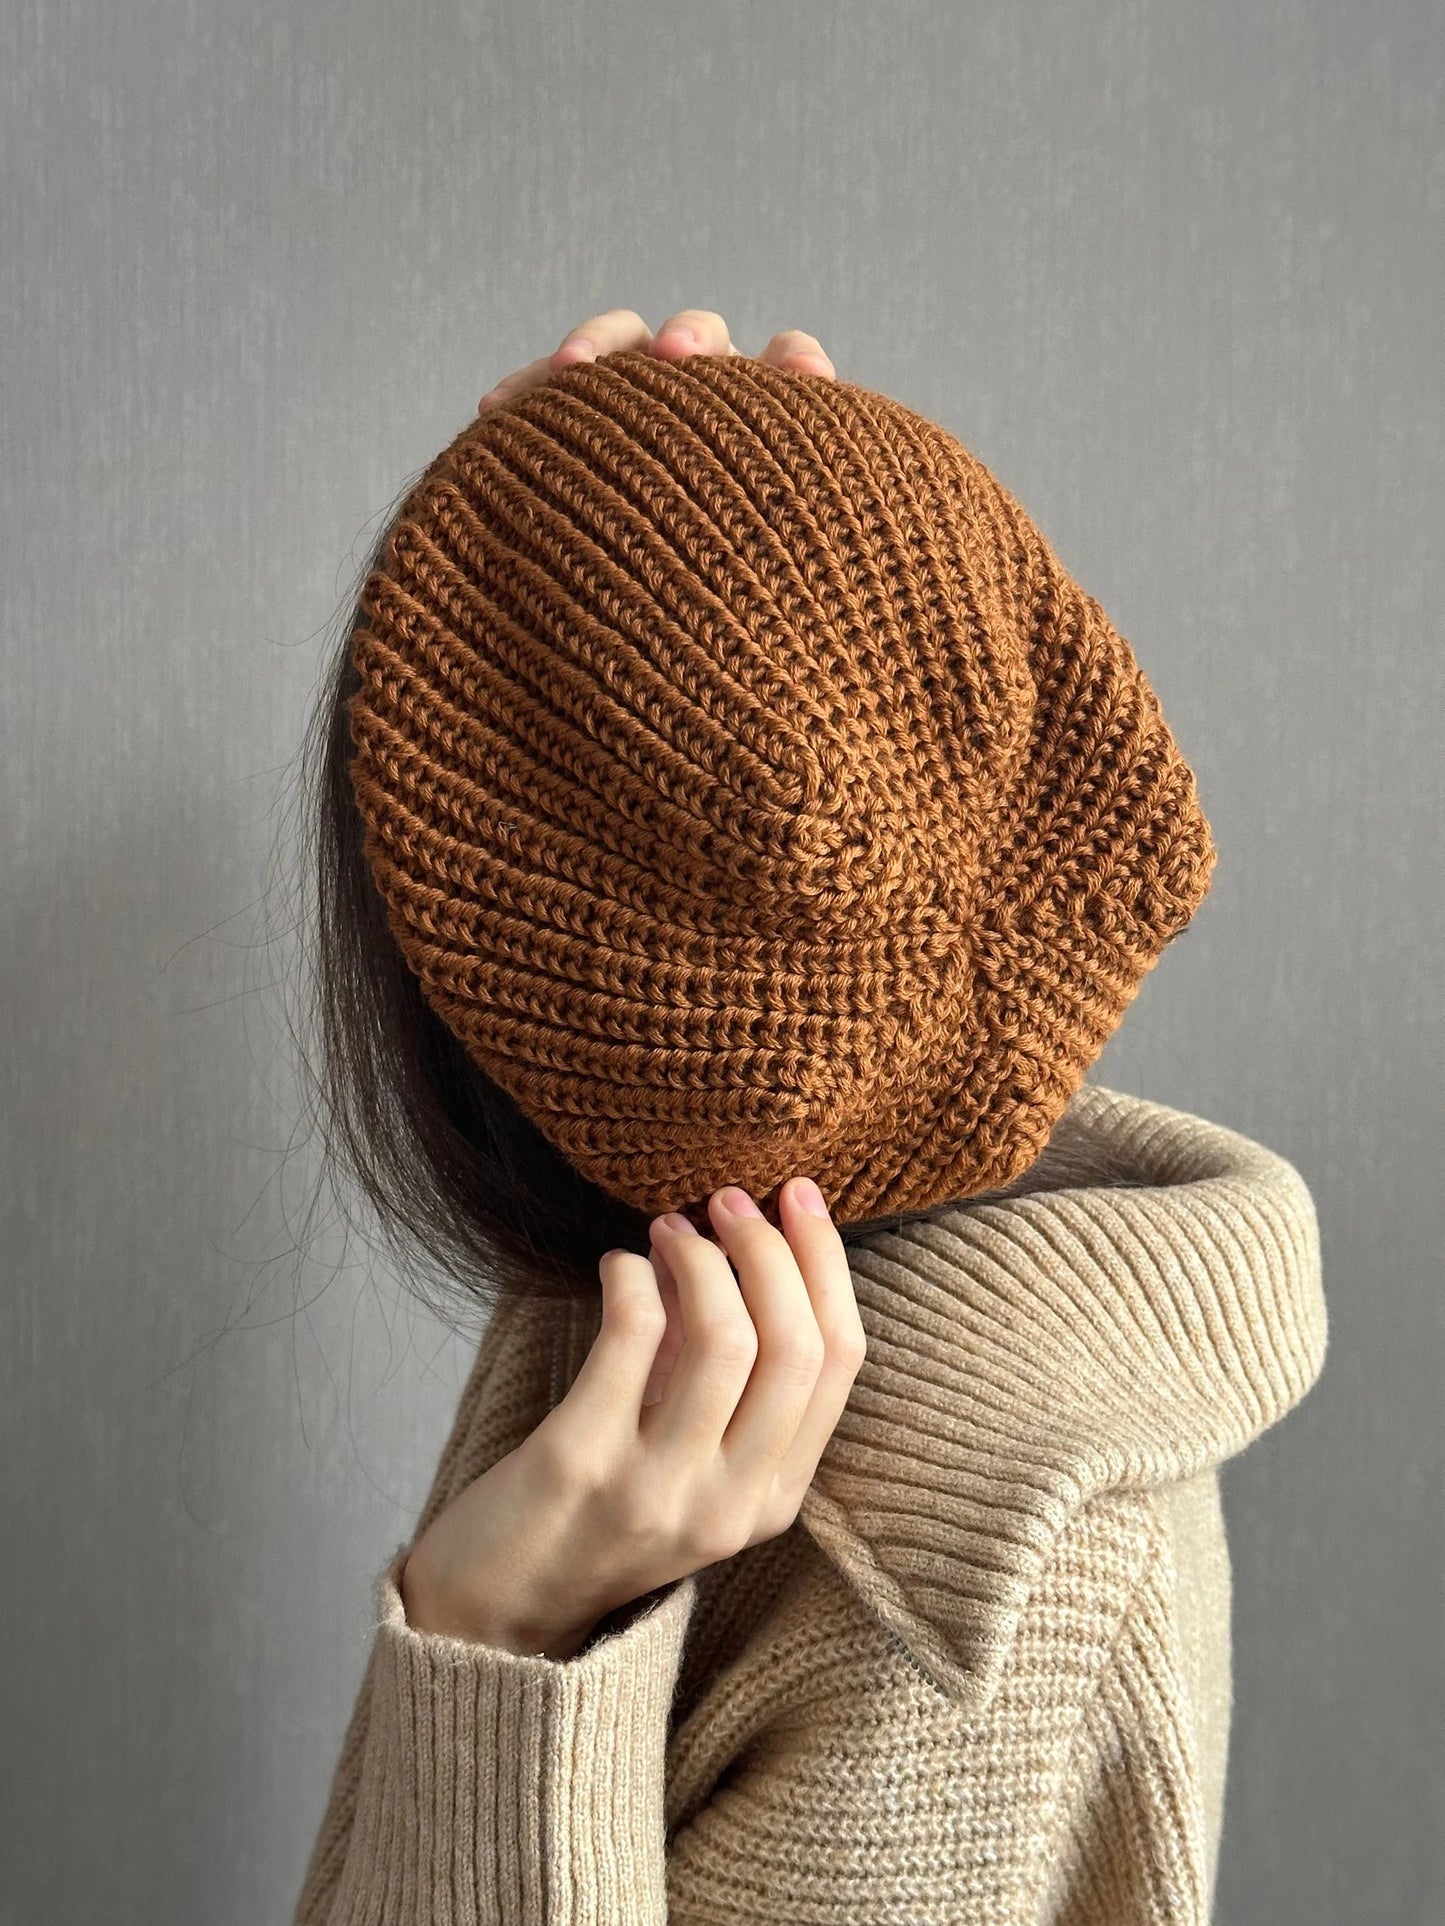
<point x="739" y="837"/>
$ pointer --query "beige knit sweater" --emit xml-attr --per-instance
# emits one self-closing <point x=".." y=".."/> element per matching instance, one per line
<point x="985" y="1676"/>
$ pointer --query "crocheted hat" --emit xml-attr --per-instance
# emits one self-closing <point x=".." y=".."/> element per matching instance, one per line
<point x="752" y="791"/>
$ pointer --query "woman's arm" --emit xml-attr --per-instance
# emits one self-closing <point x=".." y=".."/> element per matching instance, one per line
<point x="484" y="1785"/>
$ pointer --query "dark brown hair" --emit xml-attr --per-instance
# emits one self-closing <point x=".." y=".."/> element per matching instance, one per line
<point x="453" y="1170"/>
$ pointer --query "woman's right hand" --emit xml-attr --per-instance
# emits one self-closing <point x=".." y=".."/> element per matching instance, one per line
<point x="625" y="328"/>
<point x="610" y="1497"/>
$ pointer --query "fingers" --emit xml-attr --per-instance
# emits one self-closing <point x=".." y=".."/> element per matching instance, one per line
<point x="606" y="1392"/>
<point x="823" y="1261"/>
<point x="719" y="1348"/>
<point x="692" y="331"/>
<point x="633" y="1358"/>
<point x="514" y="384"/>
<point x="688" y="331"/>
<point x="701" y="331"/>
<point x="730" y="1359"/>
<point x="602" y="334"/>
<point x="801" y="351"/>
<point x="810" y="1343"/>
<point x="672" y="1339"/>
<point x="790" y="1346"/>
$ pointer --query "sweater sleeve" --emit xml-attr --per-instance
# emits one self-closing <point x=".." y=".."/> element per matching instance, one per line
<point x="493" y="1787"/>
<point x="478" y="1785"/>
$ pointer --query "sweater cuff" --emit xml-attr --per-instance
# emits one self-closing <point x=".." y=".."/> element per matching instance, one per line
<point x="500" y="1786"/>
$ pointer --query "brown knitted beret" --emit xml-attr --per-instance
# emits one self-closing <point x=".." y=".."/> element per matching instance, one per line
<point x="754" y="794"/>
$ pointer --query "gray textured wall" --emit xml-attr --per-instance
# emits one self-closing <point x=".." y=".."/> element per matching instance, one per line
<point x="1175" y="272"/>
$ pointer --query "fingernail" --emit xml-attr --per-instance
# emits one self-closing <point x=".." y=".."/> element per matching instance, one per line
<point x="810" y="1198"/>
<point x="684" y="337"/>
<point x="738" y="1202"/>
<point x="675" y="1221"/>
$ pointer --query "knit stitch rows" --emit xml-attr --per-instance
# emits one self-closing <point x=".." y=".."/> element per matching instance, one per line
<point x="751" y="789"/>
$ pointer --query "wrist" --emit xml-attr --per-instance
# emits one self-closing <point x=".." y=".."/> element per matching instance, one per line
<point x="434" y="1607"/>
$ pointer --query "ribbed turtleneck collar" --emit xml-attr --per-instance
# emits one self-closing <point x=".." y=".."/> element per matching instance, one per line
<point x="1063" y="1338"/>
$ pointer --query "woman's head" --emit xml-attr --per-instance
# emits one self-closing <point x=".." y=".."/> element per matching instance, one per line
<point x="722" y="779"/>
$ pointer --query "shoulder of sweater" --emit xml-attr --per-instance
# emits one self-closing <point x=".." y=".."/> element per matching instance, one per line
<point x="1028" y="1354"/>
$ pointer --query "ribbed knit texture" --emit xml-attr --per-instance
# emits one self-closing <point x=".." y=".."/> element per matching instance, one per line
<point x="983" y="1678"/>
<point x="752" y="790"/>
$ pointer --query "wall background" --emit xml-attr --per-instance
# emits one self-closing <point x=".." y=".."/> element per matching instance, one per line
<point x="1175" y="272"/>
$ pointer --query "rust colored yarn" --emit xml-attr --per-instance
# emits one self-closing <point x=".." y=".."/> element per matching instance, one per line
<point x="754" y="793"/>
